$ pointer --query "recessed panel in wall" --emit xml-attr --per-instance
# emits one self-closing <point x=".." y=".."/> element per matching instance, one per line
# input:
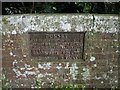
<point x="57" y="45"/>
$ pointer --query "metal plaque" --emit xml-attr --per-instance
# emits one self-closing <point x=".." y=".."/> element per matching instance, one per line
<point x="58" y="45"/>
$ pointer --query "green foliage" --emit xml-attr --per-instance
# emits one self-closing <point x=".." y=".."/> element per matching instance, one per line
<point x="69" y="87"/>
<point x="60" y="7"/>
<point x="38" y="83"/>
<point x="5" y="84"/>
<point x="54" y="86"/>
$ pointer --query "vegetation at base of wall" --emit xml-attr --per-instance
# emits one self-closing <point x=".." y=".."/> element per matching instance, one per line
<point x="3" y="82"/>
<point x="69" y="87"/>
<point x="54" y="86"/>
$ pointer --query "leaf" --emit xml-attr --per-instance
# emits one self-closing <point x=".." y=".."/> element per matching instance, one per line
<point x="54" y="8"/>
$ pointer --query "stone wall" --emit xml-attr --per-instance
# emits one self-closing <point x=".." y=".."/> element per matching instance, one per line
<point x="99" y="68"/>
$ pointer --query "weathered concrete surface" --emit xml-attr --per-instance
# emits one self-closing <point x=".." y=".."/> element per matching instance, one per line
<point x="98" y="69"/>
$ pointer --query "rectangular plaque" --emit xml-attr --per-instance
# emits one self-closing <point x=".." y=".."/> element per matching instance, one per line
<point x="57" y="45"/>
